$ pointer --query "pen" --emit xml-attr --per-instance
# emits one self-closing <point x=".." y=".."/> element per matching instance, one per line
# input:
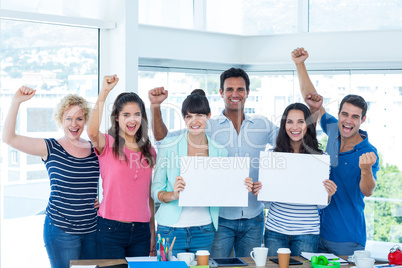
<point x="171" y="246"/>
<point x="167" y="249"/>
<point x="160" y="247"/>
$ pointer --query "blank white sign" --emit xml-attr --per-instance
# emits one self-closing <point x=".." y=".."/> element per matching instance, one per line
<point x="214" y="181"/>
<point x="293" y="178"/>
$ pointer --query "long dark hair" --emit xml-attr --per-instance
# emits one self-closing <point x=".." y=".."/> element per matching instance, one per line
<point x="309" y="144"/>
<point x="141" y="136"/>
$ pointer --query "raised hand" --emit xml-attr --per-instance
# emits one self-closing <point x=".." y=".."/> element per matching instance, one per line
<point x="299" y="55"/>
<point x="157" y="95"/>
<point x="178" y="186"/>
<point x="367" y="160"/>
<point x="23" y="94"/>
<point x="314" y="101"/>
<point x="109" y="82"/>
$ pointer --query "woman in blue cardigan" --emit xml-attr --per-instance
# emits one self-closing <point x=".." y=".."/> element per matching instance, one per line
<point x="193" y="227"/>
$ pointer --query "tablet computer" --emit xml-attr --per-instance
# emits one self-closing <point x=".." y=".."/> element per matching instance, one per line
<point x="223" y="262"/>
<point x="291" y="261"/>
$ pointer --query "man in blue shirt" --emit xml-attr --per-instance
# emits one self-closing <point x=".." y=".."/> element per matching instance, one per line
<point x="354" y="164"/>
<point x="240" y="228"/>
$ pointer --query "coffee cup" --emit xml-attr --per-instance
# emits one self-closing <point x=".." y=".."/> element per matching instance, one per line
<point x="187" y="257"/>
<point x="259" y="255"/>
<point x="364" y="262"/>
<point x="360" y="254"/>
<point x="202" y="257"/>
<point x="283" y="257"/>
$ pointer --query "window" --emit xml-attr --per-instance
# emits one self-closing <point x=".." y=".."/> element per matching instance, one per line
<point x="252" y="17"/>
<point x="55" y="60"/>
<point x="172" y="13"/>
<point x="346" y="15"/>
<point x="271" y="92"/>
<point x="383" y="220"/>
<point x="249" y="111"/>
<point x="179" y="83"/>
<point x="14" y="157"/>
<point x="262" y="17"/>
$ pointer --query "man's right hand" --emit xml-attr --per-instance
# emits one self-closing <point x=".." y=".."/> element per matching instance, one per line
<point x="157" y="95"/>
<point x="299" y="55"/>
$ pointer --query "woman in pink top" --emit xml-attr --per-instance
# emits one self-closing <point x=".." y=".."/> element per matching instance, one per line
<point x="126" y="158"/>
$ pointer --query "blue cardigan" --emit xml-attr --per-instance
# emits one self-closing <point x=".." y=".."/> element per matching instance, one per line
<point x="168" y="167"/>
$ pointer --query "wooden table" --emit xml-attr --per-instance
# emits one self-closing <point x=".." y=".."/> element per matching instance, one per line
<point x="249" y="260"/>
<point x="100" y="263"/>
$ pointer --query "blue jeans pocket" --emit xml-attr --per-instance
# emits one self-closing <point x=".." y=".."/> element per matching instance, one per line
<point x="165" y="230"/>
<point x="260" y="217"/>
<point x="107" y="226"/>
<point x="207" y="228"/>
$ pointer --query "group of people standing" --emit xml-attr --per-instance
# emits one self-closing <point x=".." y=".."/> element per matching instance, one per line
<point x="77" y="227"/>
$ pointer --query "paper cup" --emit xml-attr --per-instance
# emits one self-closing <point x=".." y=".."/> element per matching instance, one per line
<point x="202" y="257"/>
<point x="283" y="257"/>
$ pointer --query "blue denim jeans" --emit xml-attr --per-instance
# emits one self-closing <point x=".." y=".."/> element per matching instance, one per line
<point x="338" y="248"/>
<point x="296" y="243"/>
<point x="117" y="240"/>
<point x="62" y="247"/>
<point x="241" y="235"/>
<point x="188" y="239"/>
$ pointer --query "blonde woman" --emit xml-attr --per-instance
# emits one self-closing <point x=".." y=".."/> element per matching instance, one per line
<point x="73" y="169"/>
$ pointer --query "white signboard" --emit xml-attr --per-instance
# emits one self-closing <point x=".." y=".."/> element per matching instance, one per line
<point x="293" y="178"/>
<point x="214" y="181"/>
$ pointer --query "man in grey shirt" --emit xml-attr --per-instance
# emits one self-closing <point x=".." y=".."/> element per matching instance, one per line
<point x="240" y="228"/>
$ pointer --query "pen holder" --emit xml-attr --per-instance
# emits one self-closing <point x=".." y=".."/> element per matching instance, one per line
<point x="162" y="256"/>
<point x="170" y="255"/>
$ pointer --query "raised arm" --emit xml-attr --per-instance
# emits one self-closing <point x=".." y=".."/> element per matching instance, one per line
<point x="299" y="56"/>
<point x="367" y="181"/>
<point x="156" y="97"/>
<point x="28" y="145"/>
<point x="96" y="137"/>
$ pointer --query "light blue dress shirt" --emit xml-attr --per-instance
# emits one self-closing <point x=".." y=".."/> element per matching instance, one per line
<point x="255" y="133"/>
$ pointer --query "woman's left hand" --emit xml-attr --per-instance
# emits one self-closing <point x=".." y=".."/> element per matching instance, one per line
<point x="96" y="203"/>
<point x="330" y="186"/>
<point x="249" y="183"/>
<point x="257" y="186"/>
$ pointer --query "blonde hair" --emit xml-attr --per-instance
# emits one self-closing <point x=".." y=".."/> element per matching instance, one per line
<point x="66" y="102"/>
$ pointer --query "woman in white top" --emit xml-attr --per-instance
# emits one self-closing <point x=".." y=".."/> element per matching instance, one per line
<point x="193" y="227"/>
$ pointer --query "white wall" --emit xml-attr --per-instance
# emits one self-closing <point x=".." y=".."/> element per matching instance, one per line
<point x="339" y="50"/>
<point x="189" y="45"/>
<point x="361" y="49"/>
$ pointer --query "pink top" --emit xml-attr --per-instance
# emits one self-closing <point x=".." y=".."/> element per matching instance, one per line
<point x="125" y="185"/>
